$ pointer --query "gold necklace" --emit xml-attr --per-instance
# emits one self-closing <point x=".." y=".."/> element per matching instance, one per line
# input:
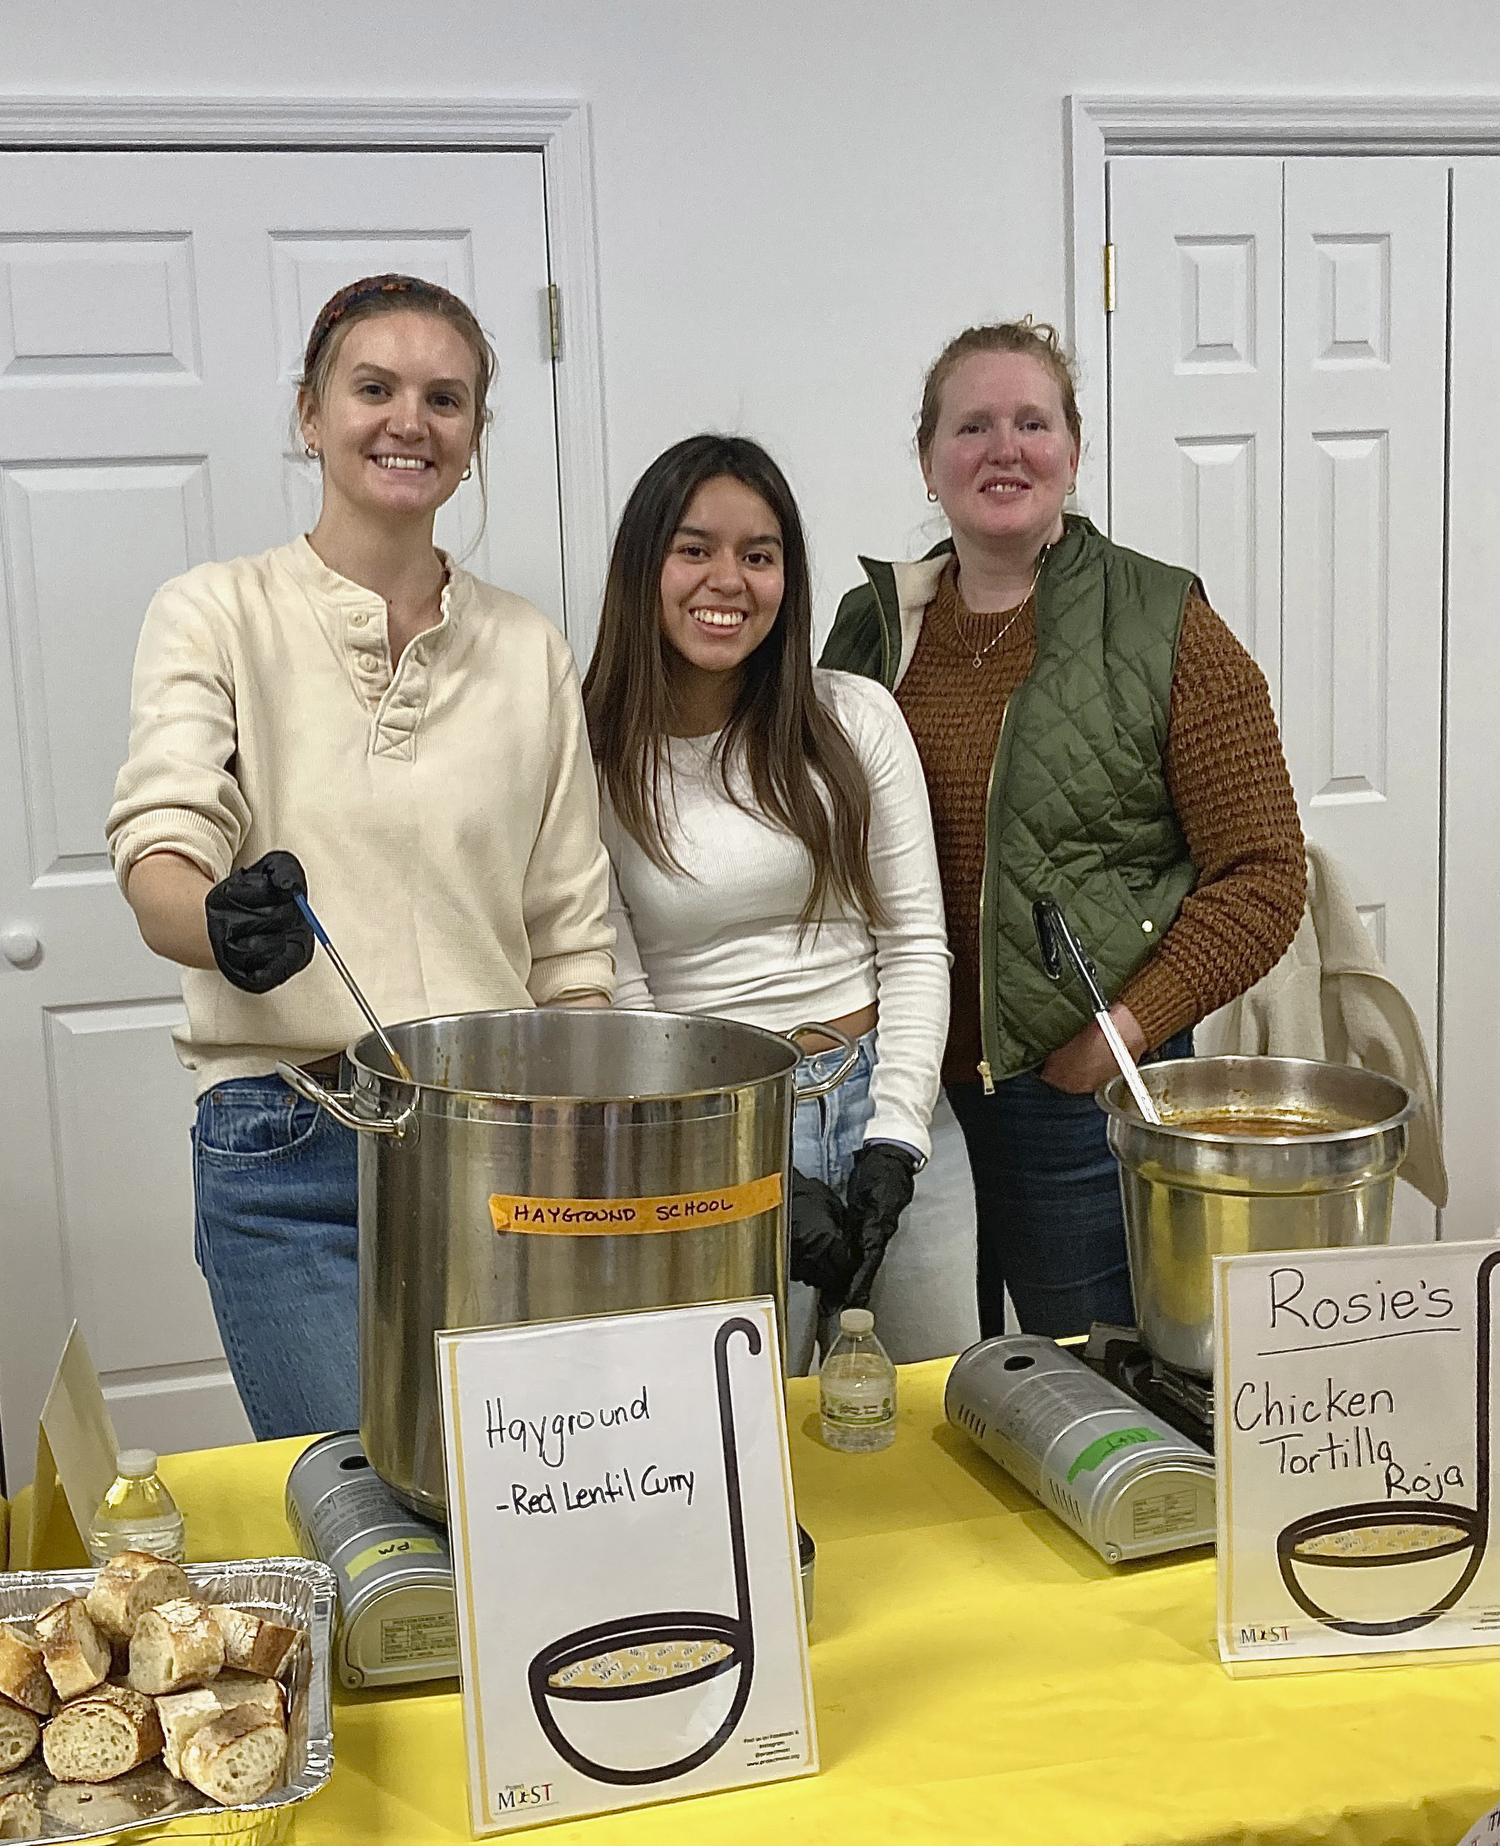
<point x="1015" y="615"/>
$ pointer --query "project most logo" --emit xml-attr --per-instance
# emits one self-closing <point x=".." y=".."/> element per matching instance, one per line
<point x="524" y="1795"/>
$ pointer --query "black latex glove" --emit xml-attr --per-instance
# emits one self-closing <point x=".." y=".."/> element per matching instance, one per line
<point x="258" y="935"/>
<point x="881" y="1183"/>
<point x="822" y="1254"/>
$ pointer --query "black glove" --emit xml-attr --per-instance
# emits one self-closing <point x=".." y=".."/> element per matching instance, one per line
<point x="822" y="1255"/>
<point x="258" y="935"/>
<point x="881" y="1183"/>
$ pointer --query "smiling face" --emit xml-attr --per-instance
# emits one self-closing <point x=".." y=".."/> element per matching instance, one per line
<point x="1001" y="459"/>
<point x="396" y="422"/>
<point x="721" y="587"/>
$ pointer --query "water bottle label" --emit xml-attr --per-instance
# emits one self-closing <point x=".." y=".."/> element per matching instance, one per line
<point x="857" y="1416"/>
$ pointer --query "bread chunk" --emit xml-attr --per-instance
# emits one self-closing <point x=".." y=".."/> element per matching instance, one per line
<point x="23" y="1673"/>
<point x="184" y="1713"/>
<point x="20" y="1733"/>
<point x="251" y="1643"/>
<point x="102" y="1735"/>
<point x="176" y="1644"/>
<point x="76" y="1655"/>
<point x="20" y="1817"/>
<point x="127" y="1587"/>
<point x="237" y="1757"/>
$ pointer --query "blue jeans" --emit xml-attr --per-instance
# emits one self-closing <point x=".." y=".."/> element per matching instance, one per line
<point x="275" y="1184"/>
<point x="827" y="1132"/>
<point x="1047" y="1194"/>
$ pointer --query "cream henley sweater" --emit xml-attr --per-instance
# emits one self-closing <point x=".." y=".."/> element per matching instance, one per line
<point x="722" y="935"/>
<point x="446" y="815"/>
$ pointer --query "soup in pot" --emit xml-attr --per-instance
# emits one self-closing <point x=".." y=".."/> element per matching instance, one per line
<point x="1259" y="1124"/>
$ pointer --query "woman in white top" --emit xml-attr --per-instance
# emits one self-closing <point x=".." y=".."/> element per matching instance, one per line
<point x="355" y="715"/>
<point x="769" y="832"/>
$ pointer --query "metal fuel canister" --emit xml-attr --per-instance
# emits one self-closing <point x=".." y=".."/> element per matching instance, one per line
<point x="397" y="1617"/>
<point x="1126" y="1482"/>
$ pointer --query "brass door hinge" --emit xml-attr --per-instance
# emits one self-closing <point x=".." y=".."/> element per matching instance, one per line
<point x="554" y="318"/>
<point x="1109" y="278"/>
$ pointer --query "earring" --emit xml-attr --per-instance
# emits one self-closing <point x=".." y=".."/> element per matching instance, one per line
<point x="311" y="452"/>
<point x="1072" y="487"/>
<point x="467" y="472"/>
<point x="932" y="496"/>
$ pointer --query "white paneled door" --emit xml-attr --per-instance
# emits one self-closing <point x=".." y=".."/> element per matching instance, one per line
<point x="153" y="309"/>
<point x="1278" y="406"/>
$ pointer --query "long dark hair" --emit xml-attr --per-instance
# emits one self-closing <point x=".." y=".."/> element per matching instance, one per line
<point x="804" y="774"/>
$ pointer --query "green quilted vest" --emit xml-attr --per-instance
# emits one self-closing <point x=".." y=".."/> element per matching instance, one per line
<point x="1078" y="805"/>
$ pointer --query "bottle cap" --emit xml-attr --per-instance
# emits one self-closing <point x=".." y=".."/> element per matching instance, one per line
<point x="856" y="1320"/>
<point x="136" y="1464"/>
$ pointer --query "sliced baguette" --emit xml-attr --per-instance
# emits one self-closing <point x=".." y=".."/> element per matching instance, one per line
<point x="237" y="1757"/>
<point x="176" y="1644"/>
<point x="104" y="1734"/>
<point x="76" y="1655"/>
<point x="251" y="1643"/>
<point x="23" y="1673"/>
<point x="127" y="1587"/>
<point x="20" y="1732"/>
<point x="20" y="1817"/>
<point x="184" y="1713"/>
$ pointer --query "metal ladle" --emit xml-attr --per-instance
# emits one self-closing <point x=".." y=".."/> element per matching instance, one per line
<point x="1054" y="938"/>
<point x="398" y="1063"/>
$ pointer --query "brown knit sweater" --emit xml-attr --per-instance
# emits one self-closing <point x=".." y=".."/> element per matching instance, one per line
<point x="1228" y="782"/>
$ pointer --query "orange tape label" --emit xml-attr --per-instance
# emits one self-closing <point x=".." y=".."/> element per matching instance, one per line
<point x="679" y="1211"/>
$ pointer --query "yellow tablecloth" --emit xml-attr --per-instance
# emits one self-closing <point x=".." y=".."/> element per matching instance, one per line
<point x="980" y="1675"/>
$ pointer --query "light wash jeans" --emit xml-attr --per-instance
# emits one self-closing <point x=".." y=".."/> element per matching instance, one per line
<point x="924" y="1296"/>
<point x="275" y="1184"/>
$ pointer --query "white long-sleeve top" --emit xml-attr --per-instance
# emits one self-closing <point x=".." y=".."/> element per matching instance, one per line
<point x="445" y="812"/>
<point x="723" y="935"/>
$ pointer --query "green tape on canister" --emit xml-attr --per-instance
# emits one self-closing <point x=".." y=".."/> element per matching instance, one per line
<point x="1090" y="1458"/>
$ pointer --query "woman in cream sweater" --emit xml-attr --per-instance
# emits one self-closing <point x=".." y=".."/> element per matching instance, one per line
<point x="354" y="716"/>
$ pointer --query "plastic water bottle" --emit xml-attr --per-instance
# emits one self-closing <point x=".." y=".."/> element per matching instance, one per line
<point x="137" y="1514"/>
<point x="857" y="1388"/>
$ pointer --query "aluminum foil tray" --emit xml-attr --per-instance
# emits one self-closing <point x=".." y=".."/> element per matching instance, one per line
<point x="148" y="1804"/>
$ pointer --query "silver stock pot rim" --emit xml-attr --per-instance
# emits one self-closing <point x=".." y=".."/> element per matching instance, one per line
<point x="1256" y="1076"/>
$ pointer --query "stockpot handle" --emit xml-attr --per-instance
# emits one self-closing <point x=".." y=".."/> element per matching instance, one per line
<point x="846" y="1063"/>
<point x="336" y="1103"/>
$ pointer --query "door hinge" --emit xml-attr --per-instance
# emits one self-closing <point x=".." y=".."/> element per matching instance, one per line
<point x="1109" y="278"/>
<point x="554" y="318"/>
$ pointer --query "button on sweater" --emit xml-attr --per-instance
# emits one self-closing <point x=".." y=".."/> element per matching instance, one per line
<point x="445" y="811"/>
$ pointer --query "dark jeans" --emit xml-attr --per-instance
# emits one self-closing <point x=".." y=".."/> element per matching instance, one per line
<point x="276" y="1188"/>
<point x="1047" y="1193"/>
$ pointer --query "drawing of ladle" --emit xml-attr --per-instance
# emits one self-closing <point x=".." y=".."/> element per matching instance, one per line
<point x="626" y="1688"/>
<point x="1416" y="1536"/>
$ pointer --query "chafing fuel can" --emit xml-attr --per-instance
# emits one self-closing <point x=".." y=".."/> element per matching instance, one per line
<point x="397" y="1620"/>
<point x="1128" y="1484"/>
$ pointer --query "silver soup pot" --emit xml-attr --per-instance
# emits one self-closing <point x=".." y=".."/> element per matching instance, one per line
<point x="549" y="1163"/>
<point x="1193" y="1193"/>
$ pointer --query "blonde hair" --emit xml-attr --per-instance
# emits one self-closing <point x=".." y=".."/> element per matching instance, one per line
<point x="1037" y="339"/>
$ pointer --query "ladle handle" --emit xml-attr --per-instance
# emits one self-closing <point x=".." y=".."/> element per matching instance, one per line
<point x="732" y="1463"/>
<point x="398" y="1063"/>
<point x="336" y="1103"/>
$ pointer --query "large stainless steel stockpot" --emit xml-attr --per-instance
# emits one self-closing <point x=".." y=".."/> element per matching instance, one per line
<point x="548" y="1163"/>
<point x="1191" y="1194"/>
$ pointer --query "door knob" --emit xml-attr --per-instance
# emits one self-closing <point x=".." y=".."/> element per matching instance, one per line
<point x="18" y="944"/>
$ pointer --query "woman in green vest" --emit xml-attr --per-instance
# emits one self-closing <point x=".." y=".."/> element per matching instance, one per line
<point x="1091" y="732"/>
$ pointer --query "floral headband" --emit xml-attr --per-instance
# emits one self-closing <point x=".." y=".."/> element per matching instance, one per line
<point x="370" y="288"/>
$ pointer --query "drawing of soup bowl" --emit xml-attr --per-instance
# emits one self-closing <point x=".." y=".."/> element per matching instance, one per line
<point x="1381" y="1567"/>
<point x="646" y="1698"/>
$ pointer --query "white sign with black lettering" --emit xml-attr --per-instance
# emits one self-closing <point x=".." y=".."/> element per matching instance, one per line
<point x="625" y="1557"/>
<point x="1353" y="1424"/>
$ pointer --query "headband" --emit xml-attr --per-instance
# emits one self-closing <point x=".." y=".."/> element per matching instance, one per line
<point x="356" y="294"/>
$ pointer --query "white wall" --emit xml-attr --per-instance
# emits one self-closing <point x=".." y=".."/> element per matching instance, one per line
<point x="799" y="200"/>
